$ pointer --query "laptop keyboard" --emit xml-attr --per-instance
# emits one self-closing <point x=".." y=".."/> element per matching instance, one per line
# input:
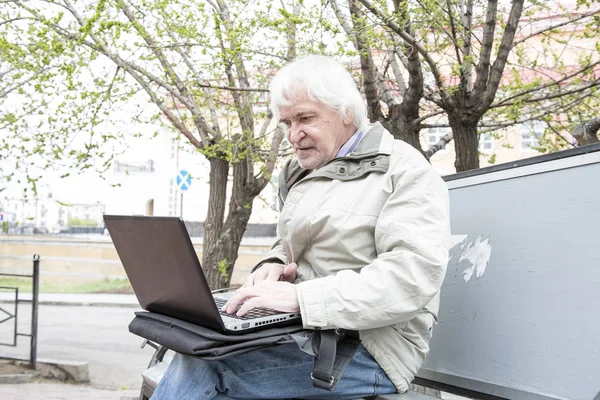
<point x="254" y="313"/>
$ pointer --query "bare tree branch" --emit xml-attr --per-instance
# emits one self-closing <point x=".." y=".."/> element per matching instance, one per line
<point x="442" y="25"/>
<point x="550" y="96"/>
<point x="7" y="90"/>
<point x="559" y="135"/>
<point x="444" y="140"/>
<point x="231" y="88"/>
<point x="551" y="110"/>
<point x="434" y="114"/>
<point x="454" y="35"/>
<point x="344" y="21"/>
<point x="386" y="91"/>
<point x="409" y="40"/>
<point x="199" y="121"/>
<point x="106" y="96"/>
<point x="292" y="31"/>
<point x="369" y="71"/>
<point x="507" y="101"/>
<point x="278" y="135"/>
<point x="503" y="52"/>
<point x="483" y="67"/>
<point x="414" y="92"/>
<point x="467" y="19"/>
<point x="207" y="92"/>
<point x="8" y="21"/>
<point x="551" y="27"/>
<point x="135" y="71"/>
<point x="242" y="102"/>
<point x="397" y="72"/>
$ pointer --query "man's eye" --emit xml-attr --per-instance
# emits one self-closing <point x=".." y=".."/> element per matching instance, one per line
<point x="306" y="118"/>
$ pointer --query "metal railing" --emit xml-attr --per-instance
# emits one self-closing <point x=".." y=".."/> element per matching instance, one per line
<point x="35" y="285"/>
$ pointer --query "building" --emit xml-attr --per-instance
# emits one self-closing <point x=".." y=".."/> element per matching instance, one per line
<point x="142" y="180"/>
<point x="46" y="215"/>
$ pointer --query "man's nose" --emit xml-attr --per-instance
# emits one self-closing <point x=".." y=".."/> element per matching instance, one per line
<point x="295" y="133"/>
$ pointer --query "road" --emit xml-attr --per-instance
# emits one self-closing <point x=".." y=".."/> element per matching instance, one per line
<point x="96" y="335"/>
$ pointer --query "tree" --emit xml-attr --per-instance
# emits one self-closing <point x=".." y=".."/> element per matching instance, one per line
<point x="587" y="132"/>
<point x="204" y="66"/>
<point x="466" y="60"/>
<point x="402" y="116"/>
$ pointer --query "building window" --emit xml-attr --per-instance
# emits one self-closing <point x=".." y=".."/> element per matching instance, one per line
<point x="435" y="134"/>
<point x="531" y="132"/>
<point x="486" y="141"/>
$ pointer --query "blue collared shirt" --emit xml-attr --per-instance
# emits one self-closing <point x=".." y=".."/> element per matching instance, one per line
<point x="350" y="144"/>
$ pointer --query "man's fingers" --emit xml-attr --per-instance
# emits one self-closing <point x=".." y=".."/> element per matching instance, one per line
<point x="290" y="272"/>
<point x="249" y="280"/>
<point x="274" y="273"/>
<point x="251" y="303"/>
<point x="269" y="271"/>
<point x="237" y="299"/>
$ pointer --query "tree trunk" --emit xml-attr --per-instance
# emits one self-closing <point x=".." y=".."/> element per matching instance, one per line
<point x="224" y="256"/>
<point x="220" y="250"/>
<point x="213" y="224"/>
<point x="402" y="126"/>
<point x="587" y="133"/>
<point x="466" y="142"/>
<point x="219" y="262"/>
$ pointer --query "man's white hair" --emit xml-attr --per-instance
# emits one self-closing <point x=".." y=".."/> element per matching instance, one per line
<point x="322" y="79"/>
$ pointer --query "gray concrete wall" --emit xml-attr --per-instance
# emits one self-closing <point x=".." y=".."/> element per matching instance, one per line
<point x="524" y="325"/>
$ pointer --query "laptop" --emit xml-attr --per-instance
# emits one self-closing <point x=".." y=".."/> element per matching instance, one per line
<point x="165" y="274"/>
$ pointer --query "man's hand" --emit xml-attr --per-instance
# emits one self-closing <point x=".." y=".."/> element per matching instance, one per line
<point x="280" y="296"/>
<point x="272" y="272"/>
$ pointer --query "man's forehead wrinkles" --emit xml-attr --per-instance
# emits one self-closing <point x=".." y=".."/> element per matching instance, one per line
<point x="304" y="113"/>
<point x="299" y="113"/>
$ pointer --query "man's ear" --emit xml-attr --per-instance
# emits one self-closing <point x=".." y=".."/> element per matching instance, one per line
<point x="348" y="119"/>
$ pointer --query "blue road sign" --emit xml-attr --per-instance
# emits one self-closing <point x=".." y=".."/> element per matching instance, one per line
<point x="184" y="180"/>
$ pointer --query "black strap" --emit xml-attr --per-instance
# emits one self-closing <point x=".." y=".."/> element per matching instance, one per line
<point x="335" y="350"/>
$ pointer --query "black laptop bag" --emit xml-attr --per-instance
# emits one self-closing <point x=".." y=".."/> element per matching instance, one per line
<point x="333" y="349"/>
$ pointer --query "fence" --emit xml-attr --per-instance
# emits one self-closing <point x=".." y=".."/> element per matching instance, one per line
<point x="13" y="316"/>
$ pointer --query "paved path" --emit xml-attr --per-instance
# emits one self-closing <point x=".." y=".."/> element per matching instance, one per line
<point x="59" y="391"/>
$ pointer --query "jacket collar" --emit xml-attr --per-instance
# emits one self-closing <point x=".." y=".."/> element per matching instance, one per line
<point x="371" y="155"/>
<point x="375" y="141"/>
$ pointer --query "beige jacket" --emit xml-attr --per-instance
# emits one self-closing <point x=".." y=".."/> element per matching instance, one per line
<point x="370" y="234"/>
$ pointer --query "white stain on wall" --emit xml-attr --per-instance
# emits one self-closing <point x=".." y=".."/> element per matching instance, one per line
<point x="478" y="254"/>
<point x="457" y="239"/>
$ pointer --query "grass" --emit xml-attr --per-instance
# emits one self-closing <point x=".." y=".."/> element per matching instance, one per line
<point x="99" y="286"/>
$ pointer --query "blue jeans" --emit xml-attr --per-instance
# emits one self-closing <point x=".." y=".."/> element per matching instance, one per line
<point x="277" y="372"/>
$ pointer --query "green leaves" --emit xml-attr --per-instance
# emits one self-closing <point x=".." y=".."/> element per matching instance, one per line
<point x="74" y="67"/>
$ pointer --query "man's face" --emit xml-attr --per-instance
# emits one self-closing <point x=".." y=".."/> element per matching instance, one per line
<point x="315" y="131"/>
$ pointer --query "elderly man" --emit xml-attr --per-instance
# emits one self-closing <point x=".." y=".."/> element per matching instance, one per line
<point x="363" y="245"/>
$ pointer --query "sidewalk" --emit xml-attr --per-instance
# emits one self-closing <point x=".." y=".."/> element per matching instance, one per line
<point x="62" y="391"/>
<point x="72" y="299"/>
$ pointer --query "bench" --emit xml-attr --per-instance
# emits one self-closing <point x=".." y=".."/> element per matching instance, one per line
<point x="519" y="305"/>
